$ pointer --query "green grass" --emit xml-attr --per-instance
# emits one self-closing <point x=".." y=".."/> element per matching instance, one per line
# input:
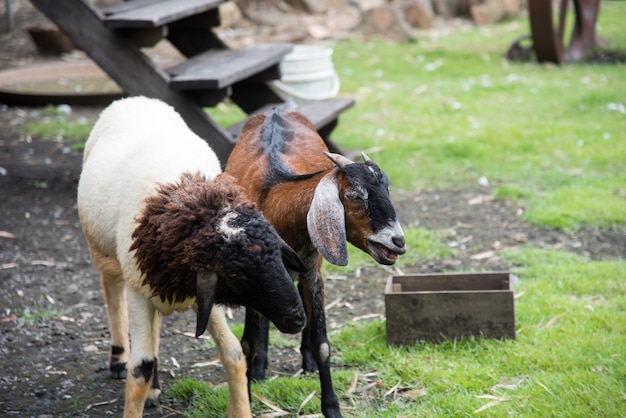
<point x="452" y="110"/>
<point x="54" y="123"/>
<point x="29" y="316"/>
<point x="568" y="359"/>
<point x="444" y="112"/>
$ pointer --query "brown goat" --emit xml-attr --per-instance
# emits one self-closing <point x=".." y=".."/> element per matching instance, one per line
<point x="316" y="201"/>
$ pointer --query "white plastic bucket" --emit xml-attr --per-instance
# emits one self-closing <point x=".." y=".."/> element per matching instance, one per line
<point x="307" y="74"/>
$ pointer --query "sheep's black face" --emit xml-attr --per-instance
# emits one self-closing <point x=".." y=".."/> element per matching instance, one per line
<point x="251" y="272"/>
<point x="371" y="221"/>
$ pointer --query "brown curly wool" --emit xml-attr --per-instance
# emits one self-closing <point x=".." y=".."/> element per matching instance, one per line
<point x="177" y="232"/>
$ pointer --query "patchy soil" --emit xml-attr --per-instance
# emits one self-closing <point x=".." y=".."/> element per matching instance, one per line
<point x="53" y="328"/>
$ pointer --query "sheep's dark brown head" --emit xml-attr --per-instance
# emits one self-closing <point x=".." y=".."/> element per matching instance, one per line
<point x="201" y="238"/>
<point x="352" y="203"/>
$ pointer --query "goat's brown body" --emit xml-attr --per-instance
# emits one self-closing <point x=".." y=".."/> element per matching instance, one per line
<point x="285" y="205"/>
<point x="315" y="201"/>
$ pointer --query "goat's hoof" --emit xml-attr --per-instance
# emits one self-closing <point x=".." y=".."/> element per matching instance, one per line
<point x="118" y="371"/>
<point x="256" y="371"/>
<point x="309" y="366"/>
<point x="256" y="375"/>
<point x="332" y="413"/>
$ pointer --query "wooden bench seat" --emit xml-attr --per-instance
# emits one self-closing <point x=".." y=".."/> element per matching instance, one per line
<point x="216" y="69"/>
<point x="323" y="114"/>
<point x="153" y="13"/>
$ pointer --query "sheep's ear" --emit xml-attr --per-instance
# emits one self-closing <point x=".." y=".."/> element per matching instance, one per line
<point x="326" y="222"/>
<point x="205" y="296"/>
<point x="291" y="259"/>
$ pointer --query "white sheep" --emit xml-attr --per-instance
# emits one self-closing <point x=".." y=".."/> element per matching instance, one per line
<point x="168" y="232"/>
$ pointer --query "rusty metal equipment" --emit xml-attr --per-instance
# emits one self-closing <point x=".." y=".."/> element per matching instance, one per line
<point x="548" y="31"/>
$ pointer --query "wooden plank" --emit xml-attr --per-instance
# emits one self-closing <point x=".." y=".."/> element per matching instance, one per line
<point x="153" y="13"/>
<point x="251" y="96"/>
<point x="217" y="69"/>
<point x="435" y="317"/>
<point x="319" y="112"/>
<point x="129" y="67"/>
<point x="323" y="112"/>
<point x="194" y="35"/>
<point x="453" y="282"/>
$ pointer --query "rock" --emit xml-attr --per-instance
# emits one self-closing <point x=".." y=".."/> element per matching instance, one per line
<point x="488" y="12"/>
<point x="387" y="22"/>
<point x="453" y="8"/>
<point x="49" y="40"/>
<point x="491" y="11"/>
<point x="230" y="14"/>
<point x="91" y="348"/>
<point x="419" y="14"/>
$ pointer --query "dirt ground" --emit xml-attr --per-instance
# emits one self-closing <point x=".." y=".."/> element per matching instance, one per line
<point x="53" y="329"/>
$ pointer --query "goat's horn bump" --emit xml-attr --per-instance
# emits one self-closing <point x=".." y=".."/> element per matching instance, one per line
<point x="339" y="160"/>
<point x="366" y="159"/>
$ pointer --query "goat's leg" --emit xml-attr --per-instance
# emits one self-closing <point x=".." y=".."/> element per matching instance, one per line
<point x="308" y="362"/>
<point x="234" y="363"/>
<point x="142" y="357"/>
<point x="114" y="290"/>
<point x="254" y="342"/>
<point x="313" y="290"/>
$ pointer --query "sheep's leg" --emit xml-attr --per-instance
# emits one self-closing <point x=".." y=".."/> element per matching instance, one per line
<point x="315" y="342"/>
<point x="114" y="290"/>
<point x="155" y="390"/>
<point x="254" y="342"/>
<point x="142" y="357"/>
<point x="234" y="363"/>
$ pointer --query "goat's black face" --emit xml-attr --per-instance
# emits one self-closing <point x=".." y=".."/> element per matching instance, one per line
<point x="371" y="221"/>
<point x="251" y="270"/>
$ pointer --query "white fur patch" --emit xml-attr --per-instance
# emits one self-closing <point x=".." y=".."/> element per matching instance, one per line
<point x="385" y="236"/>
<point x="225" y="229"/>
<point x="324" y="352"/>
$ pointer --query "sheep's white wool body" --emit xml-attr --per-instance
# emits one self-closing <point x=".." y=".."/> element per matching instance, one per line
<point x="118" y="175"/>
<point x="136" y="143"/>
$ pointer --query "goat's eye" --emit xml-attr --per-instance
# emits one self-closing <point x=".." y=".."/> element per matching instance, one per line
<point x="352" y="196"/>
<point x="355" y="197"/>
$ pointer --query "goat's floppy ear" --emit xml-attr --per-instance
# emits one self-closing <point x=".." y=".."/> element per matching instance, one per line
<point x="205" y="296"/>
<point x="291" y="259"/>
<point x="326" y="222"/>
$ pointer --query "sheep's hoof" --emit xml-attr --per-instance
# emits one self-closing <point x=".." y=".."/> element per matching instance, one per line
<point x="118" y="370"/>
<point x="153" y="398"/>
